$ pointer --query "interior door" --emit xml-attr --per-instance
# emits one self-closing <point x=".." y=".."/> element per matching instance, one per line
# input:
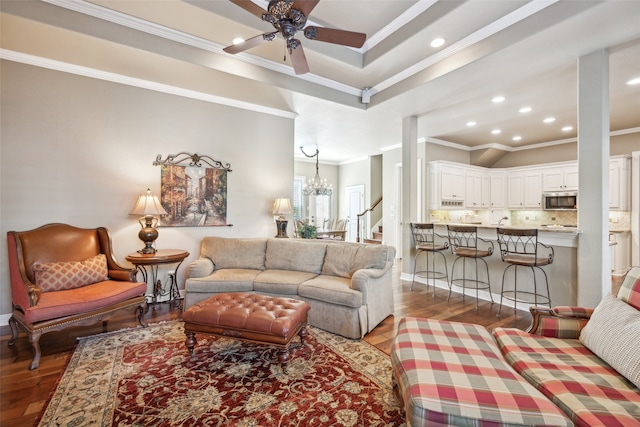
<point x="355" y="205"/>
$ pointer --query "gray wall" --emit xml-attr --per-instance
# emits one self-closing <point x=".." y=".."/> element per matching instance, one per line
<point x="79" y="151"/>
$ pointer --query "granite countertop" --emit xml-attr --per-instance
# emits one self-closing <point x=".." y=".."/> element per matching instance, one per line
<point x="546" y="228"/>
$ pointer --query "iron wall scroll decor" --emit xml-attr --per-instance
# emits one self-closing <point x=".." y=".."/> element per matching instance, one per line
<point x="194" y="196"/>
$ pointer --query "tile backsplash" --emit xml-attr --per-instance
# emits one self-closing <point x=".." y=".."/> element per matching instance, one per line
<point x="618" y="220"/>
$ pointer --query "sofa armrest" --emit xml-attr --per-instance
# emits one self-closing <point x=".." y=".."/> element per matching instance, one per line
<point x="559" y="322"/>
<point x="124" y="275"/>
<point x="375" y="284"/>
<point x="202" y="267"/>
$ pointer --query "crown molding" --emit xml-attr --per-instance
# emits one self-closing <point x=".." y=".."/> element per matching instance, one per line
<point x="476" y="37"/>
<point x="93" y="73"/>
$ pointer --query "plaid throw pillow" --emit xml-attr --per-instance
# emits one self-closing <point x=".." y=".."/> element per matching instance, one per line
<point x="59" y="276"/>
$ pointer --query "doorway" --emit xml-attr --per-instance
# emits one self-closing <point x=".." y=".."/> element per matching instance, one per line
<point x="355" y="205"/>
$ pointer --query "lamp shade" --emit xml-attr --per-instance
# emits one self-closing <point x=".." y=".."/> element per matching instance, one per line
<point x="282" y="206"/>
<point x="148" y="204"/>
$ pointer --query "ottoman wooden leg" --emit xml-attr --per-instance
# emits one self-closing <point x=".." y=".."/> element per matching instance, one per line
<point x="190" y="342"/>
<point x="283" y="357"/>
<point x="303" y="334"/>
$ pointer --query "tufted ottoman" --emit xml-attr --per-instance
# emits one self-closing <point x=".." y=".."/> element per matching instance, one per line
<point x="248" y="317"/>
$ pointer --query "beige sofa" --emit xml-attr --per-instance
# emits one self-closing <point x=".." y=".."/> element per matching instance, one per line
<point x="347" y="285"/>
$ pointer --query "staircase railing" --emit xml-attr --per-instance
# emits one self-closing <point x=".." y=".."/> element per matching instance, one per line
<point x="364" y="212"/>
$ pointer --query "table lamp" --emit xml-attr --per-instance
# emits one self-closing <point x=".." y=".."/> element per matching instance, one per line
<point x="148" y="206"/>
<point x="282" y="207"/>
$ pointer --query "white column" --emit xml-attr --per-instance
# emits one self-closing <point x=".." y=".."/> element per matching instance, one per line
<point x="409" y="185"/>
<point x="594" y="260"/>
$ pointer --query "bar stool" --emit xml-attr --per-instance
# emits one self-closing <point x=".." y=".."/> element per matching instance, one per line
<point x="424" y="241"/>
<point x="520" y="248"/>
<point x="466" y="246"/>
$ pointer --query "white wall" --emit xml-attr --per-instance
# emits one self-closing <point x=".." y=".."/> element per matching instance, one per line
<point x="79" y="151"/>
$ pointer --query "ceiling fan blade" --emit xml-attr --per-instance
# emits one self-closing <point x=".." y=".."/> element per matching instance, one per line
<point x="248" y="44"/>
<point x="331" y="35"/>
<point x="250" y="7"/>
<point x="299" y="61"/>
<point x="305" y="6"/>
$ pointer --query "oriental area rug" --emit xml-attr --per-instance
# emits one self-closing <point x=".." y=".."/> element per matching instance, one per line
<point x="146" y="377"/>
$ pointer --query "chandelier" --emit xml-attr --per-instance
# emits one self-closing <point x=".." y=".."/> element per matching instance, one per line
<point x="317" y="186"/>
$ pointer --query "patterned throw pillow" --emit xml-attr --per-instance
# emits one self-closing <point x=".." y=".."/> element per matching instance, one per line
<point x="613" y="333"/>
<point x="59" y="276"/>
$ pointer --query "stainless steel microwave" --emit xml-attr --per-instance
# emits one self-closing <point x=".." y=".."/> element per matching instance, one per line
<point x="567" y="201"/>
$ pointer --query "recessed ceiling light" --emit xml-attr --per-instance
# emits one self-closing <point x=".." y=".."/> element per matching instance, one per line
<point x="524" y="110"/>
<point x="237" y="40"/>
<point x="516" y="138"/>
<point x="471" y="123"/>
<point x="496" y="131"/>
<point x="437" y="42"/>
<point x="567" y="128"/>
<point x="634" y="81"/>
<point x="497" y="99"/>
<point x="549" y="120"/>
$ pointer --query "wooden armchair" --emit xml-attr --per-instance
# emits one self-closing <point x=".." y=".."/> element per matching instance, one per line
<point x="64" y="276"/>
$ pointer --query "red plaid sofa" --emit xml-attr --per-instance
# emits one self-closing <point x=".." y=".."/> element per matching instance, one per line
<point x="453" y="373"/>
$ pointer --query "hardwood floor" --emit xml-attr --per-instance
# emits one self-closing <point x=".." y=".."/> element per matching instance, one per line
<point x="23" y="393"/>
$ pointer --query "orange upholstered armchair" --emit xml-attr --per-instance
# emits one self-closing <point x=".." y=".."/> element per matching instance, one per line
<point x="65" y="276"/>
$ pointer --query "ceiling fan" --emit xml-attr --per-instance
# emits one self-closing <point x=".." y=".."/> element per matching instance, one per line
<point x="288" y="17"/>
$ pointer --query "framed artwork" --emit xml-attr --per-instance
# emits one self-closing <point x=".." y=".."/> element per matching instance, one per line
<point x="193" y="190"/>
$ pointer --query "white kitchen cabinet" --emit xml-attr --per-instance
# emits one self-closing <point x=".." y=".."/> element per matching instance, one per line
<point x="515" y="187"/>
<point x="560" y="178"/>
<point x="498" y="190"/>
<point x="524" y="190"/>
<point x="619" y="177"/>
<point x="533" y="189"/>
<point x="446" y="186"/>
<point x="452" y="181"/>
<point x="478" y="190"/>
<point x="620" y="252"/>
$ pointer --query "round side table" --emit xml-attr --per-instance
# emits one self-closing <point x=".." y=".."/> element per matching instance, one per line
<point x="153" y="261"/>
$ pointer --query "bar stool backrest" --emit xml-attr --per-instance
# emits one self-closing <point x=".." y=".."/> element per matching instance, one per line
<point x="524" y="244"/>
<point x="464" y="239"/>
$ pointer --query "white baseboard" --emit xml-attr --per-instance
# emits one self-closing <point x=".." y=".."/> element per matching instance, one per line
<point x="4" y="319"/>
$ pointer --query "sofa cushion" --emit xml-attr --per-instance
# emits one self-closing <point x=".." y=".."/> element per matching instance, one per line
<point x="331" y="289"/>
<point x="452" y="373"/>
<point x="613" y="333"/>
<point x="280" y="282"/>
<point x="53" y="305"/>
<point x="584" y="386"/>
<point x="227" y="280"/>
<point x="339" y="260"/>
<point x="370" y="256"/>
<point x="234" y="253"/>
<point x="344" y="259"/>
<point x="294" y="254"/>
<point x="59" y="276"/>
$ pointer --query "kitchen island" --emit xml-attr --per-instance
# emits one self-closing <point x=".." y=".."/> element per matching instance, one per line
<point x="562" y="273"/>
